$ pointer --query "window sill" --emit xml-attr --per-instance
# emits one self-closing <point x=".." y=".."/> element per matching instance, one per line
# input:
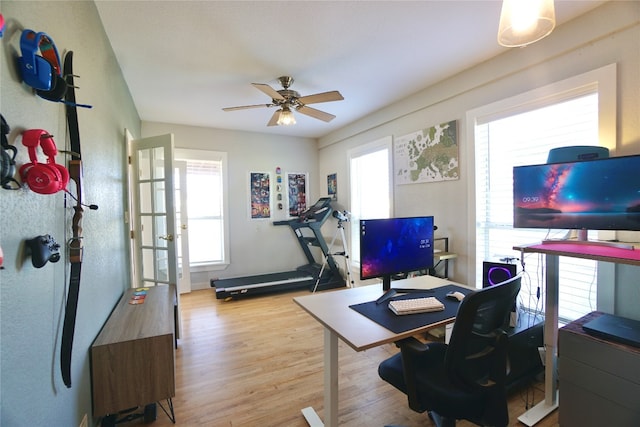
<point x="203" y="268"/>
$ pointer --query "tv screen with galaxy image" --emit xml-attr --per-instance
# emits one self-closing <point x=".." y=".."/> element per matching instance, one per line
<point x="599" y="194"/>
<point x="395" y="245"/>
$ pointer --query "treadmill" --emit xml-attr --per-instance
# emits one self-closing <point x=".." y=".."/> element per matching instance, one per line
<point x="307" y="230"/>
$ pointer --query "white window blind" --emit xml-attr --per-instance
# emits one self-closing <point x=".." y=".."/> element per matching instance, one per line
<point x="205" y="212"/>
<point x="369" y="173"/>
<point x="524" y="138"/>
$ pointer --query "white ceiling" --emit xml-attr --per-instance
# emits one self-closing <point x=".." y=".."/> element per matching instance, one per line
<point x="185" y="60"/>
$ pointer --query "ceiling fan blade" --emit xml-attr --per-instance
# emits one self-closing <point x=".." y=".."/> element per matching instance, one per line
<point x="244" y="107"/>
<point x="274" y="118"/>
<point x="271" y="92"/>
<point x="333" y="95"/>
<point x="316" y="114"/>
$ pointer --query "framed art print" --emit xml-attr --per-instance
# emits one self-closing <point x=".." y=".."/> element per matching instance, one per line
<point x="332" y="186"/>
<point x="260" y="195"/>
<point x="297" y="192"/>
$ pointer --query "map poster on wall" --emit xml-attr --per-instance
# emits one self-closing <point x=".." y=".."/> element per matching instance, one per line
<point x="260" y="190"/>
<point x="297" y="191"/>
<point x="427" y="155"/>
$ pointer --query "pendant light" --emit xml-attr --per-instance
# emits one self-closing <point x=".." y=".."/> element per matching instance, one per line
<point x="523" y="22"/>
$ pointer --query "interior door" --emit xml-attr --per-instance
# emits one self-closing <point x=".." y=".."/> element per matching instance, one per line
<point x="154" y="233"/>
<point x="182" y="231"/>
<point x="155" y="220"/>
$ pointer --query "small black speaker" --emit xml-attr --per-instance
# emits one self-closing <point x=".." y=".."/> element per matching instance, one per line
<point x="497" y="272"/>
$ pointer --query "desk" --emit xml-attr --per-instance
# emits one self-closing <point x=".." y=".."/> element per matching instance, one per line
<point x="332" y="310"/>
<point x="553" y="251"/>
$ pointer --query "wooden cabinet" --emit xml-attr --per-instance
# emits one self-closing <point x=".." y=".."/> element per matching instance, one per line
<point x="132" y="359"/>
<point x="599" y="379"/>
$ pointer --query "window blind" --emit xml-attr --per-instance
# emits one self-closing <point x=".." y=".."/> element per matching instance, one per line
<point x="205" y="212"/>
<point x="519" y="139"/>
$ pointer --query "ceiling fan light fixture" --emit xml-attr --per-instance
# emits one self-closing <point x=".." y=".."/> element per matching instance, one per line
<point x="286" y="117"/>
<point x="286" y="100"/>
<point x="523" y="22"/>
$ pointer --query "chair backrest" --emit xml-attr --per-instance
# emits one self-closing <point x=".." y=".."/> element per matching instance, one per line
<point x="476" y="355"/>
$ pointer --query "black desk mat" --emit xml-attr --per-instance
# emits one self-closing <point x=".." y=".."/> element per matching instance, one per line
<point x="382" y="315"/>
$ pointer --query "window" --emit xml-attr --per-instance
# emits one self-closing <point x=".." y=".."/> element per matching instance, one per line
<point x="519" y="132"/>
<point x="205" y="207"/>
<point x="371" y="195"/>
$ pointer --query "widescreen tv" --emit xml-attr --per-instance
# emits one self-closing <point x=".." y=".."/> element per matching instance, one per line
<point x="601" y="194"/>
<point x="392" y="246"/>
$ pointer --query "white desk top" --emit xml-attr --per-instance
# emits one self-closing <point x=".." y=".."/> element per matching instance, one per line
<point x="331" y="309"/>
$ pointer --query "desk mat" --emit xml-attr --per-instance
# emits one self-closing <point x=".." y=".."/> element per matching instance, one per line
<point x="382" y="315"/>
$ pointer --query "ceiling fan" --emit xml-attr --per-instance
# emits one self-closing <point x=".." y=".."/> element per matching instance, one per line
<point x="287" y="100"/>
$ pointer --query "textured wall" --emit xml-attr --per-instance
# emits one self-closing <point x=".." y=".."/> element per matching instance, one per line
<point x="32" y="300"/>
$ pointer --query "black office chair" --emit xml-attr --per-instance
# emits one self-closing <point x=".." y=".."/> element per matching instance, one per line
<point x="466" y="378"/>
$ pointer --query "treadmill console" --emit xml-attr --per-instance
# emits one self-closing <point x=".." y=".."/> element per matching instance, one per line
<point x="318" y="212"/>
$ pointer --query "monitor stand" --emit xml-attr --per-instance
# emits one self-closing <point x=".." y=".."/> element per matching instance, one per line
<point x="387" y="293"/>
<point x="386" y="283"/>
<point x="582" y="239"/>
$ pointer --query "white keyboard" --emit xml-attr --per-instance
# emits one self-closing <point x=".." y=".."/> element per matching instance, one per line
<point x="416" y="305"/>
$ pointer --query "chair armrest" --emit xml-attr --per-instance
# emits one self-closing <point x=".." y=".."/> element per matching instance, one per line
<point x="412" y="344"/>
<point x="412" y="350"/>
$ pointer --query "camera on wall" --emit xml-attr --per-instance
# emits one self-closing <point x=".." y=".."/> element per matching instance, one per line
<point x="341" y="216"/>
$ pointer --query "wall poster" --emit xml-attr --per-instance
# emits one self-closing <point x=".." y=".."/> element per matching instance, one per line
<point x="297" y="191"/>
<point x="427" y="155"/>
<point x="260" y="190"/>
<point x="332" y="186"/>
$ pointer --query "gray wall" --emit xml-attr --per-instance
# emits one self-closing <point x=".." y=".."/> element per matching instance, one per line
<point x="32" y="300"/>
<point x="257" y="246"/>
<point x="609" y="34"/>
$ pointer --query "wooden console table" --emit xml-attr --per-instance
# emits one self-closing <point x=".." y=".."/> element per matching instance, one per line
<point x="132" y="358"/>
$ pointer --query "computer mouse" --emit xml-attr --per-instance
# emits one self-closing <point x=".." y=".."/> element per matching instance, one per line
<point x="457" y="295"/>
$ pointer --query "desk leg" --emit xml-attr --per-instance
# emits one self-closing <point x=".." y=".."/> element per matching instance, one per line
<point x="550" y="402"/>
<point x="330" y="385"/>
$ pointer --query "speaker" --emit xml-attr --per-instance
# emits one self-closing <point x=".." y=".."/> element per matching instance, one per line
<point x="577" y="153"/>
<point x="497" y="272"/>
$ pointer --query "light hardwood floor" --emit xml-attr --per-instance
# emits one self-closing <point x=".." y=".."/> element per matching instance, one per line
<point x="258" y="361"/>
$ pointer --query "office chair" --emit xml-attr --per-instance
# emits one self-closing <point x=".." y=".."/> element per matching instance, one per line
<point x="464" y="379"/>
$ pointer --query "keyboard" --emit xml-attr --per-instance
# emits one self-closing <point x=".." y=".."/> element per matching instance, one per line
<point x="416" y="305"/>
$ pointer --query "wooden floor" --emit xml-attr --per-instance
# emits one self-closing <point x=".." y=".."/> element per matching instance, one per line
<point x="258" y="362"/>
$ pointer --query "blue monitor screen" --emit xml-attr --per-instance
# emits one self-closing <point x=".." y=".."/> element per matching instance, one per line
<point x="599" y="194"/>
<point x="395" y="245"/>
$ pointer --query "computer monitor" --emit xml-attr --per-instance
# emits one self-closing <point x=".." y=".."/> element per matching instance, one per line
<point x="392" y="246"/>
<point x="602" y="194"/>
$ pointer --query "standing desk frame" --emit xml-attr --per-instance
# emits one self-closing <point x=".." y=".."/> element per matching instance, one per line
<point x="332" y="310"/>
<point x="553" y="251"/>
